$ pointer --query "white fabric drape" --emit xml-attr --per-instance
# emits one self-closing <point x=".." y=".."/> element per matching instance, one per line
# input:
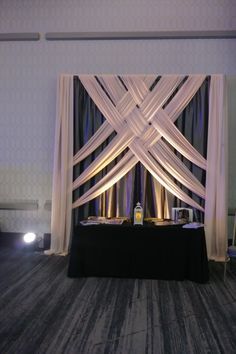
<point x="217" y="169"/>
<point x="113" y="176"/>
<point x="137" y="116"/>
<point x="133" y="124"/>
<point x="96" y="140"/>
<point x="174" y="108"/>
<point x="63" y="168"/>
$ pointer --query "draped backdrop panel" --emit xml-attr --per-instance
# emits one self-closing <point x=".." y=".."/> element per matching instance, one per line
<point x="157" y="140"/>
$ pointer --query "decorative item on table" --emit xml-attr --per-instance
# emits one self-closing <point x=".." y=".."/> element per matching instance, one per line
<point x="182" y="215"/>
<point x="193" y="225"/>
<point x="94" y="220"/>
<point x="89" y="222"/>
<point x="152" y="220"/>
<point x="138" y="214"/>
<point x="99" y="220"/>
<point x="166" y="222"/>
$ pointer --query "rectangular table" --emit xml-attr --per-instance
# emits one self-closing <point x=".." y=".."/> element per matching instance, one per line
<point x="152" y="252"/>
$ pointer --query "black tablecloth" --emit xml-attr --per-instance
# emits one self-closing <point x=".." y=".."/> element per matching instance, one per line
<point x="153" y="252"/>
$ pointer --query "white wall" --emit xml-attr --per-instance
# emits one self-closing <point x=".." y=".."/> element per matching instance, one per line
<point x="29" y="70"/>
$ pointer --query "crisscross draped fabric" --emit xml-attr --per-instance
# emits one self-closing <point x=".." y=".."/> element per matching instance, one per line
<point x="142" y="111"/>
<point x="134" y="125"/>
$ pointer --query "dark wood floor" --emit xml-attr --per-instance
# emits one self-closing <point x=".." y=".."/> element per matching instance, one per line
<point x="43" y="311"/>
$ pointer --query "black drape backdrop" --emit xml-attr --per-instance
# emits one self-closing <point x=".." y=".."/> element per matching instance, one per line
<point x="138" y="184"/>
<point x="193" y="123"/>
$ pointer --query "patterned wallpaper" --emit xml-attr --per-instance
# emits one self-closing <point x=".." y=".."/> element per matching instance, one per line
<point x="29" y="70"/>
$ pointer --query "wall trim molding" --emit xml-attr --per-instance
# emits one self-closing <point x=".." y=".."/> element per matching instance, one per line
<point x="31" y="36"/>
<point x="119" y="35"/>
<point x="53" y="36"/>
<point x="20" y="205"/>
<point x="48" y="205"/>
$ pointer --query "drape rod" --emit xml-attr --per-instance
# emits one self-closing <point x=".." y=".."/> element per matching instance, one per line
<point x="140" y="35"/>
